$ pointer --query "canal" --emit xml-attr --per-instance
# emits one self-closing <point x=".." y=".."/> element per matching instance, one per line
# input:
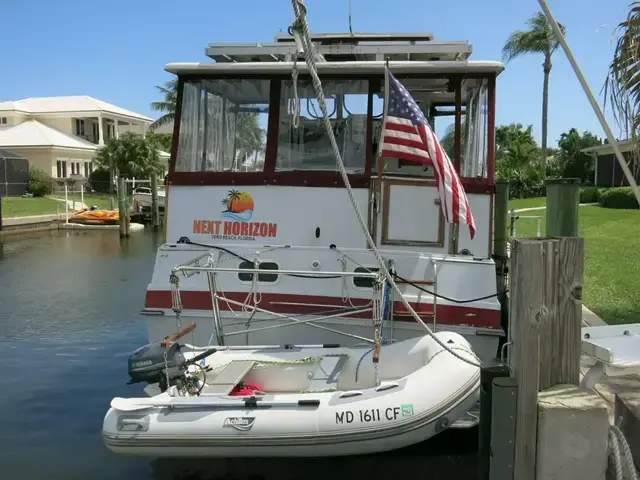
<point x="69" y="304"/>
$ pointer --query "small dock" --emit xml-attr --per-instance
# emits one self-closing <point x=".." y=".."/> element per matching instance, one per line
<point x="567" y="403"/>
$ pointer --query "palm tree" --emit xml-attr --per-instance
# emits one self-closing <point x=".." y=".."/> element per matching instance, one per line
<point x="539" y="38"/>
<point x="170" y="92"/>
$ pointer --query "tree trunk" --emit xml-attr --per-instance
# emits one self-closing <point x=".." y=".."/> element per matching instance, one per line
<point x="545" y="106"/>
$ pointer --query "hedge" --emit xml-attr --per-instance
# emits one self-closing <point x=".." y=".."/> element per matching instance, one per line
<point x="618" y="197"/>
<point x="589" y="194"/>
<point x="40" y="183"/>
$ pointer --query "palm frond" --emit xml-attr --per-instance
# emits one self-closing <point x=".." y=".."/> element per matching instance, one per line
<point x="622" y="86"/>
<point x="539" y="38"/>
<point x="163" y="120"/>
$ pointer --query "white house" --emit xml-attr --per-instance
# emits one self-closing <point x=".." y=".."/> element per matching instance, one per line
<point x="60" y="135"/>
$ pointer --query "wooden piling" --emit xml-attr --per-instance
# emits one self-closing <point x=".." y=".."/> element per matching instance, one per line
<point x="546" y="279"/>
<point x="122" y="208"/>
<point x="527" y="286"/>
<point x="560" y="333"/>
<point x="155" y="212"/>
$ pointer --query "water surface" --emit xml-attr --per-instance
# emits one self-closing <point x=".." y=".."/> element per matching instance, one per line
<point x="69" y="304"/>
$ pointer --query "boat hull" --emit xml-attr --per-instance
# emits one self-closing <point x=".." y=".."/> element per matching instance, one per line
<point x="358" y="418"/>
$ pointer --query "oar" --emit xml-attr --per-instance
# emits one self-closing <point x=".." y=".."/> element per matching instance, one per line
<point x="133" y="404"/>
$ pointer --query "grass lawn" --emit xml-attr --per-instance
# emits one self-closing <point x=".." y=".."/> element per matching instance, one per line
<point x="612" y="269"/>
<point x="517" y="203"/>
<point x="101" y="200"/>
<point x="23" y="207"/>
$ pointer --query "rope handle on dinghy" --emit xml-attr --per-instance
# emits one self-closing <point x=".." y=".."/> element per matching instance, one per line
<point x="300" y="30"/>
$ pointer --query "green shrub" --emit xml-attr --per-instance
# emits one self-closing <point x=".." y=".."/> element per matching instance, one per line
<point x="40" y="184"/>
<point x="600" y="193"/>
<point x="588" y="194"/>
<point x="99" y="180"/>
<point x="618" y="197"/>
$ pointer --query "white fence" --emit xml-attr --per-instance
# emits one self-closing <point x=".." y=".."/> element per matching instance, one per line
<point x="514" y="217"/>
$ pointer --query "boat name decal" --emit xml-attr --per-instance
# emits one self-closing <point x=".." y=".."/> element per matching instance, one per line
<point x="374" y="414"/>
<point x="237" y="224"/>
<point x="243" y="424"/>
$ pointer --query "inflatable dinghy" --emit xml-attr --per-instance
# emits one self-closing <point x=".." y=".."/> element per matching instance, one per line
<point x="296" y="400"/>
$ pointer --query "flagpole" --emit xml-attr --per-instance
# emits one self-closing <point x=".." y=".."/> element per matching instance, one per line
<point x="380" y="140"/>
<point x="594" y="104"/>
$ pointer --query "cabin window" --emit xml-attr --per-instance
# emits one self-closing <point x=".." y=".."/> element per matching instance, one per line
<point x="223" y="125"/>
<point x="364" y="282"/>
<point x="262" y="277"/>
<point x="306" y="146"/>
<point x="475" y="134"/>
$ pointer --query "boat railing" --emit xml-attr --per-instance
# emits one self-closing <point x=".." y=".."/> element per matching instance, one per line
<point x="376" y="306"/>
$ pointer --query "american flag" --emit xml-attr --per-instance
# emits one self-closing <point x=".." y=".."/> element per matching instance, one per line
<point x="406" y="135"/>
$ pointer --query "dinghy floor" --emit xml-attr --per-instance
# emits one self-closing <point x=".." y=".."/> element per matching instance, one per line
<point x="230" y="376"/>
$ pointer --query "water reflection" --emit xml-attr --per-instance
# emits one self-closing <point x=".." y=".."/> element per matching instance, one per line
<point x="69" y="304"/>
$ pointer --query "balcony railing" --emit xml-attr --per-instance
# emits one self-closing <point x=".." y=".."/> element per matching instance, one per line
<point x="94" y="138"/>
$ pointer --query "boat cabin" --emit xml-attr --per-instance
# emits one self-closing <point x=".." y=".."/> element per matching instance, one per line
<point x="252" y="163"/>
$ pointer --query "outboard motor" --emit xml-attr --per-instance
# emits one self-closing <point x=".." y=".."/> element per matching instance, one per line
<point x="163" y="363"/>
<point x="148" y="364"/>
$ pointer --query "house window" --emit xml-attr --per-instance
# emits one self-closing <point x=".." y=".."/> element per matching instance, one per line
<point x="79" y="126"/>
<point x="87" y="170"/>
<point x="3" y="120"/>
<point x="61" y="169"/>
<point x="96" y="132"/>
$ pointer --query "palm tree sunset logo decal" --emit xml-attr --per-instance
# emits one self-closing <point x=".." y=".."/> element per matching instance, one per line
<point x="238" y="206"/>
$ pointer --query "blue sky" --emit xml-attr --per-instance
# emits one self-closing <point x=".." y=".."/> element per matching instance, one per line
<point x="116" y="50"/>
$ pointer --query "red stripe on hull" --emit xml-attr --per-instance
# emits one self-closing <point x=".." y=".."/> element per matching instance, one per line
<point x="277" y="302"/>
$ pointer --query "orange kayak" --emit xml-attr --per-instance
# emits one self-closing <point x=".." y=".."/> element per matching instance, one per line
<point x="96" y="217"/>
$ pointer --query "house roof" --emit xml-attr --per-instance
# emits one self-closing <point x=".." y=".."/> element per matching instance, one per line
<point x="32" y="133"/>
<point x="607" y="149"/>
<point x="72" y="104"/>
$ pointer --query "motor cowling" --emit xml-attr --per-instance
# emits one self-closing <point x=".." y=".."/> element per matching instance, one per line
<point x="148" y="364"/>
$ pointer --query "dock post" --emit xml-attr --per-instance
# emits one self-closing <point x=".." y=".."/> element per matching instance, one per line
<point x="527" y="312"/>
<point x="546" y="279"/>
<point x="122" y="208"/>
<point x="487" y="376"/>
<point x="563" y="198"/>
<point x="66" y="204"/>
<point x="155" y="213"/>
<point x="500" y="215"/>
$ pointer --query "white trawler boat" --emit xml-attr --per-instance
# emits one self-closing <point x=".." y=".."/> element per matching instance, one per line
<point x="265" y="370"/>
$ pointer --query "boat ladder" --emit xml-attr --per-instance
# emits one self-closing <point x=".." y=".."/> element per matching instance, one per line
<point x="229" y="377"/>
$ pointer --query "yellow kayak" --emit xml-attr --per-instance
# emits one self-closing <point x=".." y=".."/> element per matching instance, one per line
<point x="96" y="217"/>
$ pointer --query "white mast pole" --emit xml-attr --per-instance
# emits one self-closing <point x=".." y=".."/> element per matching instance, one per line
<point x="594" y="104"/>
